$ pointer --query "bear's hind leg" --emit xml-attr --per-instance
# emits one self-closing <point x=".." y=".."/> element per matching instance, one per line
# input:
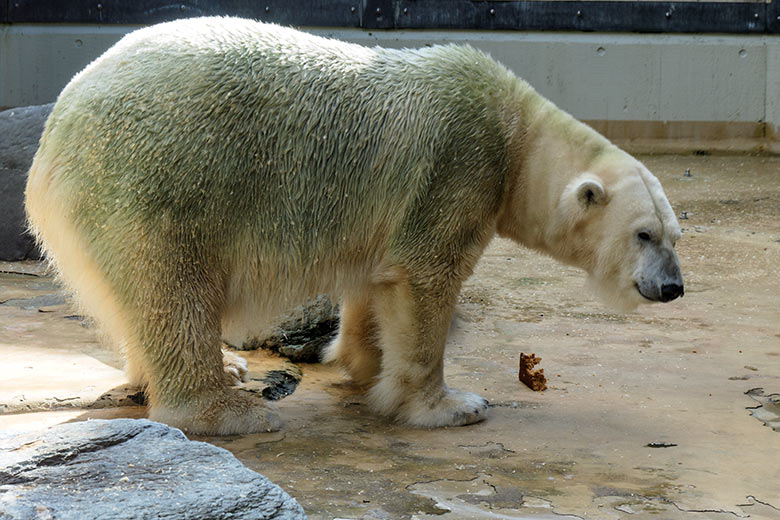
<point x="413" y="318"/>
<point x="176" y="322"/>
<point x="235" y="367"/>
<point x="355" y="348"/>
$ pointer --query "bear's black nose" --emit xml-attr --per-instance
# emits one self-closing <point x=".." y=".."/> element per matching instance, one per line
<point x="670" y="291"/>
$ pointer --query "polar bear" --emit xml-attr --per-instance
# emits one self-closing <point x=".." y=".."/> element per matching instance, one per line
<point x="205" y="174"/>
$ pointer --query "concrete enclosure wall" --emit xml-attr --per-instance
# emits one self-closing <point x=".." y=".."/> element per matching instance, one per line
<point x="646" y="91"/>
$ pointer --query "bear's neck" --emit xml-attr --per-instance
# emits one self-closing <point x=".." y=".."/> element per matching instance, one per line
<point x="547" y="148"/>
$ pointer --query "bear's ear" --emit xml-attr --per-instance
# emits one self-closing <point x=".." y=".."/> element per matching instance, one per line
<point x="590" y="192"/>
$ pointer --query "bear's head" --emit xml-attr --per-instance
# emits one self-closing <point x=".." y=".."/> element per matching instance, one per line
<point x="603" y="212"/>
<point x="615" y="221"/>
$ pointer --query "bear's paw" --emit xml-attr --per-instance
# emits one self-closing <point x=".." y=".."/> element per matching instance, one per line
<point x="227" y="412"/>
<point x="454" y="408"/>
<point x="236" y="368"/>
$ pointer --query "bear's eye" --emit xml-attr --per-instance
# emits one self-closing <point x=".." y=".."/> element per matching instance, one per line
<point x="643" y="236"/>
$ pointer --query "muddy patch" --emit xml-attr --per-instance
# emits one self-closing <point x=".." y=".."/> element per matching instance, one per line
<point x="480" y="499"/>
<point x="768" y="411"/>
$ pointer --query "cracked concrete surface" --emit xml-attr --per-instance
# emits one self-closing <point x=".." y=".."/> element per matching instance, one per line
<point x="677" y="374"/>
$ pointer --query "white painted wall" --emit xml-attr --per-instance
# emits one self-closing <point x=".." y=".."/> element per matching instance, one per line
<point x="595" y="76"/>
<point x="623" y="76"/>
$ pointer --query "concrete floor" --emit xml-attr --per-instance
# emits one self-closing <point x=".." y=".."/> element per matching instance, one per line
<point x="677" y="374"/>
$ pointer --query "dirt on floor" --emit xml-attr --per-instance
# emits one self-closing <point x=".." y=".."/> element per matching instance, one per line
<point x="670" y="412"/>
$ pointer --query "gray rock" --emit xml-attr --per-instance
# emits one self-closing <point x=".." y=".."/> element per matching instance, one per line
<point x="301" y="334"/>
<point x="126" y="468"/>
<point x="20" y="131"/>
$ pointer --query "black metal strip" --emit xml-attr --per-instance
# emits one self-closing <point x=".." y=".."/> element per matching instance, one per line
<point x="379" y="14"/>
<point x="336" y="13"/>
<point x="569" y="15"/>
<point x="585" y="16"/>
<point x="773" y="17"/>
<point x="330" y="13"/>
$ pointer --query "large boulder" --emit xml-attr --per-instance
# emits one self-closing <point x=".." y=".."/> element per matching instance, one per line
<point x="21" y="129"/>
<point x="126" y="468"/>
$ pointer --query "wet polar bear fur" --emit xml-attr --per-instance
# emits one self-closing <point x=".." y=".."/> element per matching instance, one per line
<point x="203" y="175"/>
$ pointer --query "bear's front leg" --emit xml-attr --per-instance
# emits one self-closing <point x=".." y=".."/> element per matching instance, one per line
<point x="413" y="317"/>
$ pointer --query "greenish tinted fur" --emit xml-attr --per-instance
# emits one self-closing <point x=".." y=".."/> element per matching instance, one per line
<point x="230" y="155"/>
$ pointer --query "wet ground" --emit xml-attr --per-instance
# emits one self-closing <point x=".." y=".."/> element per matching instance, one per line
<point x="669" y="413"/>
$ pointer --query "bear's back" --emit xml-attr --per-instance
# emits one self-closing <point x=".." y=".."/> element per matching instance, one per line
<point x="228" y="124"/>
